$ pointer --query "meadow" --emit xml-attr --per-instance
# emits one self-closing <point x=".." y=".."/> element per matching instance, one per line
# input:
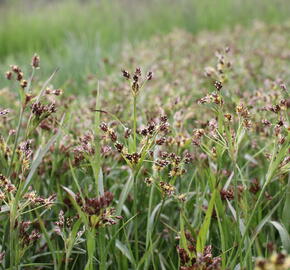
<point x="161" y="143"/>
<point x="78" y="35"/>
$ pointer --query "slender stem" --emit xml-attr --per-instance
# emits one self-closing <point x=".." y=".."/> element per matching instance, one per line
<point x="135" y="122"/>
<point x="102" y="251"/>
<point x="16" y="140"/>
<point x="12" y="238"/>
<point x="90" y="248"/>
<point x="13" y="232"/>
<point x="135" y="211"/>
<point x="148" y="232"/>
<point x="11" y="244"/>
<point x="66" y="258"/>
<point x="258" y="202"/>
<point x="135" y="205"/>
<point x="97" y="157"/>
<point x="158" y="214"/>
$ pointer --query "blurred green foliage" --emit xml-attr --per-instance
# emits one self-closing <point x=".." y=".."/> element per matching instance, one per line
<point x="76" y="35"/>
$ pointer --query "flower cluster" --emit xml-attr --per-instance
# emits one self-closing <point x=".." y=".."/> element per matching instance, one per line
<point x="27" y="234"/>
<point x="98" y="210"/>
<point x="136" y="80"/>
<point x="191" y="260"/>
<point x="277" y="261"/>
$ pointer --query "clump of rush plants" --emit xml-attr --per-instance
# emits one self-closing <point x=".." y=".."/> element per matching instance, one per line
<point x="182" y="167"/>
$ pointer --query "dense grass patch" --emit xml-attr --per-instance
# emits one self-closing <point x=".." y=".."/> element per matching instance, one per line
<point x="183" y="168"/>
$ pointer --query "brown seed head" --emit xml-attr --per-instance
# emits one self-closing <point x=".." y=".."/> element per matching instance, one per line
<point x="8" y="75"/>
<point x="126" y="74"/>
<point x="35" y="61"/>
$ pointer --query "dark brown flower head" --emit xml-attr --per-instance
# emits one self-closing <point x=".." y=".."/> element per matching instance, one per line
<point x="163" y="119"/>
<point x="161" y="141"/>
<point x="201" y="261"/>
<point x="285" y="104"/>
<point x="28" y="98"/>
<point x="35" y="61"/>
<point x="8" y="75"/>
<point x="164" y="127"/>
<point x="19" y="76"/>
<point x="6" y="185"/>
<point x="275" y="108"/>
<point x="112" y="135"/>
<point x="4" y="112"/>
<point x="119" y="147"/>
<point x="163" y="154"/>
<point x="135" y="78"/>
<point x="86" y="138"/>
<point x="144" y="132"/>
<point x="197" y="136"/>
<point x="126" y="74"/>
<point x="242" y="111"/>
<point x="27" y="235"/>
<point x="166" y="188"/>
<point x="56" y="92"/>
<point x="26" y="148"/>
<point x="15" y="69"/>
<point x="23" y="84"/>
<point x="160" y="164"/>
<point x="228" y="117"/>
<point x="184" y="257"/>
<point x="41" y="110"/>
<point x="136" y="157"/>
<point x="104" y="127"/>
<point x="227" y="194"/>
<point x="93" y="206"/>
<point x="151" y="127"/>
<point x="138" y="72"/>
<point x="218" y="85"/>
<point x="128" y="132"/>
<point x="216" y="98"/>
<point x="266" y="122"/>
<point x="283" y="87"/>
<point x="149" y="76"/>
<point x="247" y="123"/>
<point x="255" y="186"/>
<point x="188" y="158"/>
<point x="148" y="181"/>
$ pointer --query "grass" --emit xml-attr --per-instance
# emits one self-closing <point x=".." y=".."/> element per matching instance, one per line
<point x="79" y="36"/>
<point x="186" y="169"/>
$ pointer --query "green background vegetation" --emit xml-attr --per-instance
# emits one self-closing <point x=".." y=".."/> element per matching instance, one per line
<point x="77" y="35"/>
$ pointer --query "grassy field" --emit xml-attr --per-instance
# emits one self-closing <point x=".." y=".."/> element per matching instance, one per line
<point x="76" y="36"/>
<point x="161" y="143"/>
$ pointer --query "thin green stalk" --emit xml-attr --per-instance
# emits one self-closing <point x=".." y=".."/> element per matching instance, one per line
<point x="66" y="258"/>
<point x="269" y="175"/>
<point x="13" y="232"/>
<point x="135" y="211"/>
<point x="16" y="140"/>
<point x="47" y="238"/>
<point x="91" y="246"/>
<point x="102" y="250"/>
<point x="135" y="123"/>
<point x="148" y="233"/>
<point x="97" y="158"/>
<point x="158" y="214"/>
